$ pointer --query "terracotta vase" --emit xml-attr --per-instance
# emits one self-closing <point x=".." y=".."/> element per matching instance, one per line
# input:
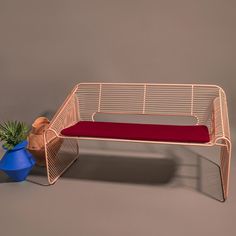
<point x="36" y="140"/>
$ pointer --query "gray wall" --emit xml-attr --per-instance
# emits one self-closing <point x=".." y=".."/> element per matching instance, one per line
<point x="48" y="46"/>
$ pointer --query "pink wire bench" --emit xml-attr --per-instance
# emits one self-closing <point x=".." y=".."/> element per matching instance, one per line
<point x="75" y="120"/>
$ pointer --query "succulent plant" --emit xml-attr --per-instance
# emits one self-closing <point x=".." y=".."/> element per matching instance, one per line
<point x="13" y="133"/>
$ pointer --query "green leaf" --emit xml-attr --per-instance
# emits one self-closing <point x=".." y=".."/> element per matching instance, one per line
<point x="12" y="133"/>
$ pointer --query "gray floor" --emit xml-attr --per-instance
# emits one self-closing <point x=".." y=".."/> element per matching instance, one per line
<point x="125" y="190"/>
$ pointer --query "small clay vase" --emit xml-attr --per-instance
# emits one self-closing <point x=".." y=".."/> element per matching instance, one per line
<point x="36" y="140"/>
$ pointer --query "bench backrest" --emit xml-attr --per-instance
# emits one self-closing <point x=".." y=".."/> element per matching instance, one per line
<point x="140" y="98"/>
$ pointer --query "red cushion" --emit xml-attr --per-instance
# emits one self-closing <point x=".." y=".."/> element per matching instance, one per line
<point x="148" y="132"/>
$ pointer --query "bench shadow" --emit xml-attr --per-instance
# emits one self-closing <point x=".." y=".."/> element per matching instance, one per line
<point x="123" y="169"/>
<point x="114" y="168"/>
<point x="194" y="172"/>
<point x="202" y="175"/>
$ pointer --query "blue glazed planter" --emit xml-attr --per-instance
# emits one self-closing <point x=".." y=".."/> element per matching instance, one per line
<point x="18" y="162"/>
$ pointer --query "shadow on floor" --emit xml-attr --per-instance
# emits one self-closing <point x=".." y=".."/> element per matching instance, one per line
<point x="194" y="172"/>
<point x="4" y="178"/>
<point x="115" y="169"/>
<point x="123" y="169"/>
<point x="202" y="175"/>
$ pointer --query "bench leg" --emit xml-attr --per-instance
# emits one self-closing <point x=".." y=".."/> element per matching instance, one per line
<point x="60" y="155"/>
<point x="225" y="156"/>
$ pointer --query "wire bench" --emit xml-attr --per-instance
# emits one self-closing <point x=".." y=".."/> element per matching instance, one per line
<point x="206" y="103"/>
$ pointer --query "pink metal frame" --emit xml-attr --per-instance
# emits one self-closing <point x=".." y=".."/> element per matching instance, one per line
<point x="205" y="102"/>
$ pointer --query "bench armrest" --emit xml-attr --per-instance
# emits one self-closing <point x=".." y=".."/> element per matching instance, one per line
<point x="66" y="115"/>
<point x="220" y="120"/>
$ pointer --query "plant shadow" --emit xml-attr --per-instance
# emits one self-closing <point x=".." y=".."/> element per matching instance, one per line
<point x="4" y="178"/>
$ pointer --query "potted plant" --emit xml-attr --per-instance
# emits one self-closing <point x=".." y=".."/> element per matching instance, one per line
<point x="17" y="161"/>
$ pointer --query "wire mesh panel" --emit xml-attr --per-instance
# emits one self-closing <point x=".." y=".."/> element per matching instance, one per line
<point x="60" y="154"/>
<point x="218" y="127"/>
<point x="88" y="97"/>
<point x="168" y="99"/>
<point x="203" y="97"/>
<point x="66" y="116"/>
<point x="121" y="98"/>
<point x="225" y="119"/>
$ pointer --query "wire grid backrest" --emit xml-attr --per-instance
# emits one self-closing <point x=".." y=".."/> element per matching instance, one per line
<point x="160" y="99"/>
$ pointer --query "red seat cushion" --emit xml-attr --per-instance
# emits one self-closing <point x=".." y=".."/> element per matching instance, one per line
<point x="147" y="132"/>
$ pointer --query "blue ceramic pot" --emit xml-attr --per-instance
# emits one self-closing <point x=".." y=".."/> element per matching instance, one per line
<point x="17" y="162"/>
